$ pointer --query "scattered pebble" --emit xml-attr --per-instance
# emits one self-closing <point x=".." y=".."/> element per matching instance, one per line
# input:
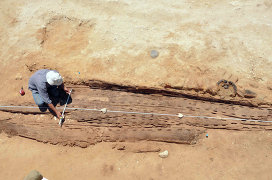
<point x="34" y="174"/>
<point x="154" y="53"/>
<point x="249" y="94"/>
<point x="104" y="110"/>
<point x="18" y="77"/>
<point x="180" y="115"/>
<point x="163" y="154"/>
<point x="121" y="147"/>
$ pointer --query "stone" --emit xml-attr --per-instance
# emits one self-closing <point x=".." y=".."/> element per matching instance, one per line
<point x="164" y="154"/>
<point x="154" y="53"/>
<point x="18" y="76"/>
<point x="104" y="110"/>
<point x="120" y="147"/>
<point x="249" y="94"/>
<point x="34" y="175"/>
<point x="180" y="115"/>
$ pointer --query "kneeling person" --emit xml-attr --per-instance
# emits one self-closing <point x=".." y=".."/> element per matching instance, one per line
<point x="45" y="85"/>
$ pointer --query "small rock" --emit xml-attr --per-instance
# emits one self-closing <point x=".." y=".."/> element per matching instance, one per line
<point x="18" y="77"/>
<point x="104" y="110"/>
<point x="154" y="53"/>
<point x="249" y="94"/>
<point x="180" y="115"/>
<point x="166" y="86"/>
<point x="163" y="154"/>
<point x="34" y="174"/>
<point x="121" y="147"/>
<point x="114" y="146"/>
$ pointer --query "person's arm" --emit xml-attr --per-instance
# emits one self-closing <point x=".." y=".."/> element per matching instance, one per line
<point x="58" y="114"/>
<point x="64" y="88"/>
<point x="44" y="94"/>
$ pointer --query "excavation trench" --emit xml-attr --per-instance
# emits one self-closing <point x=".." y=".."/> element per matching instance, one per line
<point x="190" y="93"/>
<point x="83" y="127"/>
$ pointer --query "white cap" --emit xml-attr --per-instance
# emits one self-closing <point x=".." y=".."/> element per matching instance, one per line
<point x="54" y="78"/>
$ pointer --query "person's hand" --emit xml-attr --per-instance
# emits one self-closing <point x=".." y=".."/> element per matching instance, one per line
<point x="66" y="90"/>
<point x="58" y="114"/>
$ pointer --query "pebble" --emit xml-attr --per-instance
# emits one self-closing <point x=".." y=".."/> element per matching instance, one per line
<point x="163" y="154"/>
<point x="180" y="115"/>
<point x="154" y="53"/>
<point x="18" y="77"/>
<point x="34" y="174"/>
<point x="121" y="148"/>
<point x="249" y="94"/>
<point x="104" y="110"/>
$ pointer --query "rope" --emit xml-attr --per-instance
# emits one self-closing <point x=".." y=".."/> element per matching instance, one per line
<point x="104" y="110"/>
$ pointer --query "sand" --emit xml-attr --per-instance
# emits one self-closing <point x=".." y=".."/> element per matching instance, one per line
<point x="199" y="43"/>
<point x="223" y="155"/>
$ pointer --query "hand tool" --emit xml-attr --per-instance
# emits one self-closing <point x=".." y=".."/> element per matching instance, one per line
<point x="62" y="119"/>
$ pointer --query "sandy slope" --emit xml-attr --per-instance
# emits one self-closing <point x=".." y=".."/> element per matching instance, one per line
<point x="199" y="43"/>
<point x="223" y="155"/>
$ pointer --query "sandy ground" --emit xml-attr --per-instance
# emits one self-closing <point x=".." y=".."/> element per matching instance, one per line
<point x="199" y="43"/>
<point x="223" y="155"/>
